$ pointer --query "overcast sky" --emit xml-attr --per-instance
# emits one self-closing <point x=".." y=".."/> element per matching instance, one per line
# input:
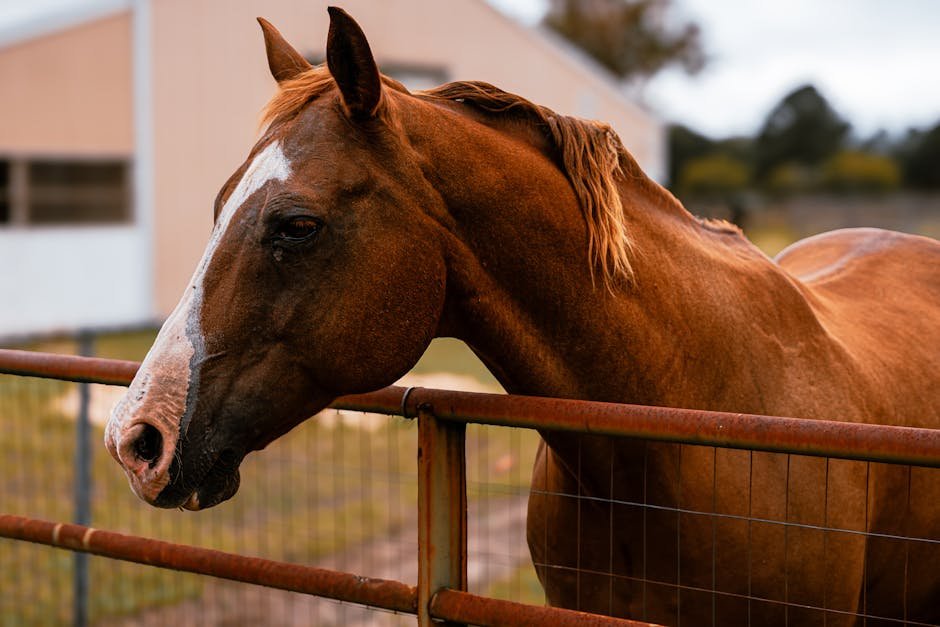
<point x="877" y="61"/>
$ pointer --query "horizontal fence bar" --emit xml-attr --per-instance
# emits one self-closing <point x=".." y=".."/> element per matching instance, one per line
<point x="395" y="596"/>
<point x="464" y="607"/>
<point x="823" y="438"/>
<point x="67" y="367"/>
<point x="380" y="593"/>
<point x="800" y="436"/>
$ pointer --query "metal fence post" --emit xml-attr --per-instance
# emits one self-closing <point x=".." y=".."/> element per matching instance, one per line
<point x="442" y="509"/>
<point x="82" y="487"/>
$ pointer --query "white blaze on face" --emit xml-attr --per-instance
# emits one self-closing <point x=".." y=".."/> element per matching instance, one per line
<point x="163" y="392"/>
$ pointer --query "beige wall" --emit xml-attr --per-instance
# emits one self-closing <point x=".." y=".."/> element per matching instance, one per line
<point x="211" y="80"/>
<point x="69" y="92"/>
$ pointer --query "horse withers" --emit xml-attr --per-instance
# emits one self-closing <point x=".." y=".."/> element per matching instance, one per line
<point x="368" y="220"/>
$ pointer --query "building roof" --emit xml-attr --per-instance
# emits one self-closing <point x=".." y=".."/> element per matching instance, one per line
<point x="71" y="13"/>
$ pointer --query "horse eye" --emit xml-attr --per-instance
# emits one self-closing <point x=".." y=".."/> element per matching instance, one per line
<point x="297" y="229"/>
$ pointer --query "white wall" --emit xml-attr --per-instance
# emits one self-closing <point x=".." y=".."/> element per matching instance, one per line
<point x="63" y="278"/>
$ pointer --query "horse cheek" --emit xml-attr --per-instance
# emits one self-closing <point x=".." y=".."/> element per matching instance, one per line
<point x="384" y="338"/>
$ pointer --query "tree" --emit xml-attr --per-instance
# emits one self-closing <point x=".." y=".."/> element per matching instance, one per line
<point x="803" y="129"/>
<point x="628" y="37"/>
<point x="716" y="175"/>
<point x="920" y="159"/>
<point x="685" y="145"/>
<point x="858" y="171"/>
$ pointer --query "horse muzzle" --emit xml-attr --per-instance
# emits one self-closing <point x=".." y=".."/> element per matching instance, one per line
<point x="146" y="452"/>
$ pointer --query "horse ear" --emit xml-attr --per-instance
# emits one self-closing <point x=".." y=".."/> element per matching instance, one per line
<point x="352" y="65"/>
<point x="285" y="62"/>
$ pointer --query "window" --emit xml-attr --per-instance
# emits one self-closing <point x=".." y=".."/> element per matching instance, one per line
<point x="51" y="191"/>
<point x="4" y="192"/>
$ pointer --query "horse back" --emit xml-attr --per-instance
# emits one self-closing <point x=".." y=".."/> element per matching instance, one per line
<point x="877" y="294"/>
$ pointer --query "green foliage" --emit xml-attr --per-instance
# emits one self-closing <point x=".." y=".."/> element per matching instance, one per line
<point x="685" y="145"/>
<point x="629" y="37"/>
<point x="714" y="175"/>
<point x="856" y="171"/>
<point x="789" y="178"/>
<point x="802" y="129"/>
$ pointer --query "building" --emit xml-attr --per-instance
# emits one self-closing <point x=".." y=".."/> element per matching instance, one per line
<point x="122" y="119"/>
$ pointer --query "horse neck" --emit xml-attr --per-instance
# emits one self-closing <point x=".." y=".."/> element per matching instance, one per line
<point x="521" y="291"/>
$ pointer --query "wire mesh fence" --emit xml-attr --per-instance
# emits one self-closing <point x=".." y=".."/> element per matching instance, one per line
<point x="714" y="536"/>
<point x="665" y="532"/>
<point x="338" y="492"/>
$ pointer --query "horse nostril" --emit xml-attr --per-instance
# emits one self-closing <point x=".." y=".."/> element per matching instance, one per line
<point x="149" y="445"/>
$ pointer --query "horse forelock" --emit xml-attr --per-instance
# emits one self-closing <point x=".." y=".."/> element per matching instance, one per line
<point x="293" y="94"/>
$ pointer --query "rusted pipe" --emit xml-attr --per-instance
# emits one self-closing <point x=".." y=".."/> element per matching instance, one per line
<point x="67" y="367"/>
<point x="824" y="438"/>
<point x="380" y="593"/>
<point x="442" y="510"/>
<point x="469" y="608"/>
<point x="866" y="442"/>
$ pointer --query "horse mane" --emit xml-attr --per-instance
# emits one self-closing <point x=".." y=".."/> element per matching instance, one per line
<point x="592" y="157"/>
<point x="590" y="153"/>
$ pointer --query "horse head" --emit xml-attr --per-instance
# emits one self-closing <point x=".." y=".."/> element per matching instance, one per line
<point x="324" y="275"/>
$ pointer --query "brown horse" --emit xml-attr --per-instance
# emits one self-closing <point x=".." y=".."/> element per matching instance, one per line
<point x="367" y="220"/>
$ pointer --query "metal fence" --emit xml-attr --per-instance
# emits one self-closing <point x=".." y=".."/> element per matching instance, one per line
<point x="441" y="486"/>
<point x="340" y="491"/>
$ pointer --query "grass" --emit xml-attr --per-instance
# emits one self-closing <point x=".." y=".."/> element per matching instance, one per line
<point x="319" y="490"/>
<point x="522" y="586"/>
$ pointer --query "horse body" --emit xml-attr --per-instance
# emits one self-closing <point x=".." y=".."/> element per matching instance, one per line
<point x="713" y="324"/>
<point x="537" y="240"/>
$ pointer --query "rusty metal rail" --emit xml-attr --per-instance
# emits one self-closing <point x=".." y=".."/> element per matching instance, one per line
<point x="799" y="436"/>
<point x="381" y="593"/>
<point x="822" y="438"/>
<point x="67" y="367"/>
<point x="456" y="605"/>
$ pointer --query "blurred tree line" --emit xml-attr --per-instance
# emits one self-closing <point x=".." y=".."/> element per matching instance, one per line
<point x="634" y="39"/>
<point x="804" y="145"/>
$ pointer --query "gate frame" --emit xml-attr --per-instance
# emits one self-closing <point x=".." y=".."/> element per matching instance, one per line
<point x="442" y="497"/>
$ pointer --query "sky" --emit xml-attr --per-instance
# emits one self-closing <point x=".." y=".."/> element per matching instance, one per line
<point x="876" y="61"/>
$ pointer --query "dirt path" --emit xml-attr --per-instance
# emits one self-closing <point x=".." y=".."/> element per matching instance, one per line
<point x="496" y="529"/>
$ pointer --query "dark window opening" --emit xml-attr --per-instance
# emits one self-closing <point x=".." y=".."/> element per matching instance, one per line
<point x="4" y="192"/>
<point x="62" y="192"/>
<point x="49" y="191"/>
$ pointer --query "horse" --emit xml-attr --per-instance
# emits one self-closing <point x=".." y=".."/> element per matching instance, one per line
<point x="368" y="220"/>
